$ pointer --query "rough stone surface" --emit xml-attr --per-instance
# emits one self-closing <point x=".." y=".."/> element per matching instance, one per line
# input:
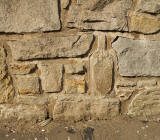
<point x="144" y="24"/>
<point x="68" y="46"/>
<point x="77" y="68"/>
<point x="7" y="91"/>
<point x="22" y="112"/>
<point x="29" y="16"/>
<point x="101" y="68"/>
<point x="65" y="4"/>
<point x="137" y="57"/>
<point x="99" y="15"/>
<point x="85" y="108"/>
<point x="17" y="69"/>
<point x="145" y="105"/>
<point x="75" y="85"/>
<point x="28" y="85"/>
<point x="148" y="6"/>
<point x="51" y="77"/>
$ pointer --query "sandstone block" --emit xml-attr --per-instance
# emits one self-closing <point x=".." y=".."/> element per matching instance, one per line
<point x="99" y="15"/>
<point x="145" y="105"/>
<point x="17" y="69"/>
<point x="22" y="112"/>
<point x="77" y="68"/>
<point x="101" y="68"/>
<point x="75" y="84"/>
<point x="137" y="57"/>
<point x="7" y="91"/>
<point x="82" y="107"/>
<point x="51" y="77"/>
<point x="28" y="85"/>
<point x="144" y="24"/>
<point x="29" y="16"/>
<point x="148" y="6"/>
<point x="64" y="46"/>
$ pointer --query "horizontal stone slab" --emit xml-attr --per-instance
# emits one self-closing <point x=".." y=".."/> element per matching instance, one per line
<point x="137" y="57"/>
<point x="81" y="107"/>
<point x="29" y="16"/>
<point x="51" y="47"/>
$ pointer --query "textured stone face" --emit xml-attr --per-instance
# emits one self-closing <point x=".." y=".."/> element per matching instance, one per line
<point x="51" y="77"/>
<point x="144" y="24"/>
<point x="145" y="105"/>
<point x="101" y="67"/>
<point x="68" y="46"/>
<point x="85" y="108"/>
<point x="148" y="6"/>
<point x="75" y="84"/>
<point x="28" y="85"/>
<point x="99" y="15"/>
<point x="22" y="69"/>
<point x="29" y="16"/>
<point x="6" y="86"/>
<point x="138" y="57"/>
<point x="22" y="112"/>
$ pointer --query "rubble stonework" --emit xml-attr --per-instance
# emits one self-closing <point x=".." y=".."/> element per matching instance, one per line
<point x="79" y="60"/>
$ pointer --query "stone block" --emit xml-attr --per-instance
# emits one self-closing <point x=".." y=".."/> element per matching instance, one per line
<point x="7" y="91"/>
<point x="17" y="69"/>
<point x="77" y="68"/>
<point x="51" y="47"/>
<point x="144" y="24"/>
<point x="29" y="16"/>
<point x="148" y="6"/>
<point x="28" y="85"/>
<point x="99" y="14"/>
<point x="75" y="84"/>
<point x="75" y="108"/>
<point x="51" y="77"/>
<point x="145" y="105"/>
<point x="101" y="68"/>
<point x="137" y="57"/>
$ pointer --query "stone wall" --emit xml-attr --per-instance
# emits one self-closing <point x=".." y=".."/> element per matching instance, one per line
<point x="79" y="59"/>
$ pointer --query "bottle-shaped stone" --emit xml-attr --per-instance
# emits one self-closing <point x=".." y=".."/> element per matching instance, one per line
<point x="101" y="68"/>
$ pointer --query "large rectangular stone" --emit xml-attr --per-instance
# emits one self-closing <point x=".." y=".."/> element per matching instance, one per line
<point x="137" y="57"/>
<point x="29" y="15"/>
<point x="82" y="107"/>
<point x="51" y="47"/>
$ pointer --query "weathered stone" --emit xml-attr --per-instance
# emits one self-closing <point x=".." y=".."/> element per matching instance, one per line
<point x="101" y="68"/>
<point x="148" y="6"/>
<point x="145" y="105"/>
<point x="137" y="57"/>
<point x="66" y="46"/>
<point x="22" y="69"/>
<point x="31" y="100"/>
<point x="75" y="84"/>
<point x="124" y="93"/>
<point x="77" y="68"/>
<point x="144" y="24"/>
<point x="7" y="91"/>
<point x="124" y="88"/>
<point x="28" y="85"/>
<point x="22" y="112"/>
<point x="29" y="16"/>
<point x="82" y="107"/>
<point x="150" y="83"/>
<point x="65" y="3"/>
<point x="99" y="14"/>
<point x="51" y="77"/>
